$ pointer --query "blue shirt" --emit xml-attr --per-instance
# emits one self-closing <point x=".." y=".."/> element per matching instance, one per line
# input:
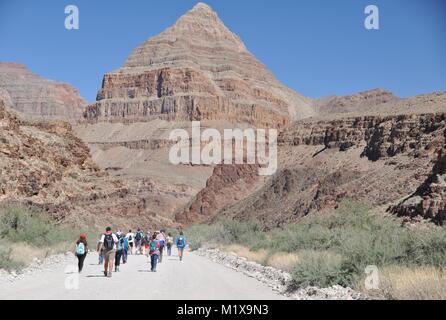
<point x="177" y="241"/>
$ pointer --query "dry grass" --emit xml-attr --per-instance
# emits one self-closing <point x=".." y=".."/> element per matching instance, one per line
<point x="260" y="256"/>
<point x="411" y="283"/>
<point x="283" y="261"/>
<point x="24" y="253"/>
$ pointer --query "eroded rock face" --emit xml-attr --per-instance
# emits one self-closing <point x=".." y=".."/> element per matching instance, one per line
<point x="391" y="162"/>
<point x="429" y="200"/>
<point x="196" y="70"/>
<point x="383" y="136"/>
<point x="227" y="185"/>
<point x="42" y="163"/>
<point x="30" y="94"/>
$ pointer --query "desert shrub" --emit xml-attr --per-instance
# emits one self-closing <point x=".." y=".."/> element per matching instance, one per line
<point x="207" y="235"/>
<point x="29" y="225"/>
<point x="6" y="261"/>
<point x="336" y="248"/>
<point x="25" y="224"/>
<point x="225" y="232"/>
<point x="426" y="247"/>
<point x="320" y="268"/>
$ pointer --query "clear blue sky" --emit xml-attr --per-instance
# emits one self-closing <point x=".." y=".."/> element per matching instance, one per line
<point x="317" y="47"/>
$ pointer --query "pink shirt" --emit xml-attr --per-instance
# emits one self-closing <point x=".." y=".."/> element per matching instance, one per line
<point x="160" y="237"/>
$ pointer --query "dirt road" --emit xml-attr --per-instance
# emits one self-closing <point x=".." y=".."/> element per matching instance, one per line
<point x="194" y="278"/>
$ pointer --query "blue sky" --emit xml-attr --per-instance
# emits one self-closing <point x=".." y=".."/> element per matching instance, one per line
<point x="316" y="47"/>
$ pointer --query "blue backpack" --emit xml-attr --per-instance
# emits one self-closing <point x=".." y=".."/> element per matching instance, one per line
<point x="180" y="242"/>
<point x="80" y="249"/>
<point x="120" y="244"/>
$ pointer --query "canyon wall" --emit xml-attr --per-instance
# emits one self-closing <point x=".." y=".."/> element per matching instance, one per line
<point x="32" y="95"/>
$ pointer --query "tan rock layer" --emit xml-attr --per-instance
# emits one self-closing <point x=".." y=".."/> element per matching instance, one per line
<point x="33" y="95"/>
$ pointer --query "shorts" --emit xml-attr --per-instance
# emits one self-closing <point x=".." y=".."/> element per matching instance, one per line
<point x="131" y="244"/>
<point x="109" y="255"/>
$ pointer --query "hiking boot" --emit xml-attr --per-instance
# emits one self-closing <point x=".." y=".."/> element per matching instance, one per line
<point x="109" y="275"/>
<point x="105" y="273"/>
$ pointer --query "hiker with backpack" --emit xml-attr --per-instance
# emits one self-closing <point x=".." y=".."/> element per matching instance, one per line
<point x="146" y="243"/>
<point x="108" y="243"/>
<point x="154" y="252"/>
<point x="119" y="251"/>
<point x="81" y="251"/>
<point x="130" y="236"/>
<point x="125" y="243"/>
<point x="161" y="240"/>
<point x="138" y="241"/>
<point x="169" y="243"/>
<point x="181" y="242"/>
<point x="100" y="251"/>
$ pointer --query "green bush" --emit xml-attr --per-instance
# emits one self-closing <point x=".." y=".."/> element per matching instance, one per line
<point x="6" y="262"/>
<point x="30" y="225"/>
<point x="320" y="268"/>
<point x="336" y="248"/>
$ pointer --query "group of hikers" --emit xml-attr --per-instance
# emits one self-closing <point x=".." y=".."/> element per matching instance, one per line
<point x="115" y="247"/>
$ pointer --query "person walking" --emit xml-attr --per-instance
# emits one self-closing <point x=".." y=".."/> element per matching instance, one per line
<point x="119" y="251"/>
<point x="130" y="236"/>
<point x="169" y="243"/>
<point x="81" y="251"/>
<point x="154" y="252"/>
<point x="138" y="241"/>
<point x="108" y="243"/>
<point x="181" y="243"/>
<point x="100" y="251"/>
<point x="126" y="249"/>
<point x="161" y="237"/>
<point x="146" y="241"/>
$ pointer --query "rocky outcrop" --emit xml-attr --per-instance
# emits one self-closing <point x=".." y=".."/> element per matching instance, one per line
<point x="383" y="136"/>
<point x="429" y="200"/>
<point x="30" y="94"/>
<point x="375" y="159"/>
<point x="43" y="164"/>
<point x="227" y="185"/>
<point x="196" y="70"/>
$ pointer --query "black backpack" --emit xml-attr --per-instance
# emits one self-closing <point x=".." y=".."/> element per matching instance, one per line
<point x="138" y="236"/>
<point x="109" y="242"/>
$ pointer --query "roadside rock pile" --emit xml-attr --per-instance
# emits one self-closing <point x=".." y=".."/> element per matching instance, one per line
<point x="279" y="281"/>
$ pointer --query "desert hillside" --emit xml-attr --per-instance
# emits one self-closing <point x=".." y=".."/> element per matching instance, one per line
<point x="32" y="95"/>
<point x="42" y="163"/>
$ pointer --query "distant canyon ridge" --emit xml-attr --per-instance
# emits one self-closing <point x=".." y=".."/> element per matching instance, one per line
<point x="108" y="161"/>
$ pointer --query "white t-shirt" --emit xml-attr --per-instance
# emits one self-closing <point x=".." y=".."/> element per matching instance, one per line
<point x="115" y="240"/>
<point x="128" y="237"/>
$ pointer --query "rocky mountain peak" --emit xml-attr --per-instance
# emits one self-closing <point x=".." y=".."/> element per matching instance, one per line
<point x="197" y="69"/>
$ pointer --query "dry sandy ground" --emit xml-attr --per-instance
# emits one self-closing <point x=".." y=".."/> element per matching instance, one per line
<point x="194" y="278"/>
